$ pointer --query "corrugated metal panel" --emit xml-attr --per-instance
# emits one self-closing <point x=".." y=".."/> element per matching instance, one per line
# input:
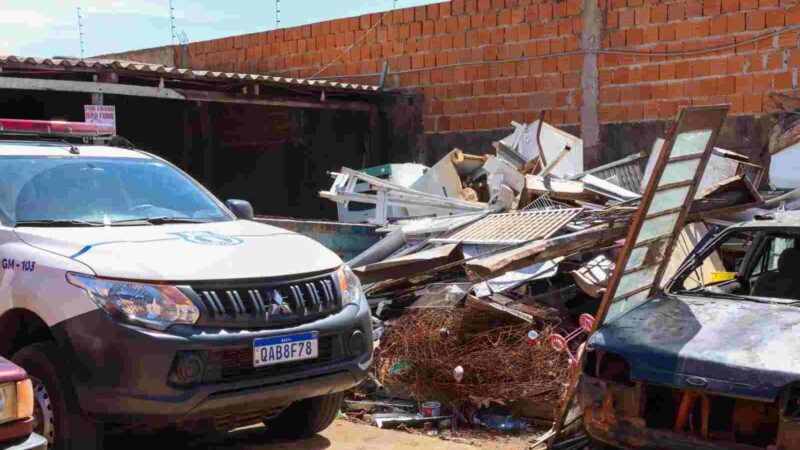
<point x="513" y="228"/>
<point x="173" y="72"/>
<point x="628" y="176"/>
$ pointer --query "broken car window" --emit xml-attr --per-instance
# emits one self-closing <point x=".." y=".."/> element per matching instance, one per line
<point x="756" y="265"/>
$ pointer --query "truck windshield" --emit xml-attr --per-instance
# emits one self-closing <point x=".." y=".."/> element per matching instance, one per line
<point x="89" y="191"/>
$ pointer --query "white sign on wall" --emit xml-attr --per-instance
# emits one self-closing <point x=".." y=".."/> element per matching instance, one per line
<point x="101" y="114"/>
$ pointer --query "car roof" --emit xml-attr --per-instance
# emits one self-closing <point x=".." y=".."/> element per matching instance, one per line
<point x="788" y="219"/>
<point x="50" y="148"/>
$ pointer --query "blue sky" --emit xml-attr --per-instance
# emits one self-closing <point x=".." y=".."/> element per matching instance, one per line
<point x="49" y="27"/>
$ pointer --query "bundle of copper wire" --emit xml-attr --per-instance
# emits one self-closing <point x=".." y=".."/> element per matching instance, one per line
<point x="422" y="348"/>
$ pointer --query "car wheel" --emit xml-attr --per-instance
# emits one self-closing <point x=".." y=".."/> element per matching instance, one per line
<point x="306" y="417"/>
<point x="57" y="416"/>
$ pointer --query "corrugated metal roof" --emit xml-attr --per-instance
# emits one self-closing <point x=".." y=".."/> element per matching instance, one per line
<point x="512" y="228"/>
<point x="173" y="72"/>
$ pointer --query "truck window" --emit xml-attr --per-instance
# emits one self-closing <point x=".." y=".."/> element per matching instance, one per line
<point x="102" y="190"/>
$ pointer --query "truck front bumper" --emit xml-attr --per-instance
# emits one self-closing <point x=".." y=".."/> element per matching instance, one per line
<point x="125" y="374"/>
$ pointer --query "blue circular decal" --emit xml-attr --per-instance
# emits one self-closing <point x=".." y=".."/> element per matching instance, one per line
<point x="208" y="238"/>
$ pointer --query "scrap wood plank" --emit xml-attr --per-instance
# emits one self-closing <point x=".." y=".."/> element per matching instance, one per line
<point x="584" y="240"/>
<point x="410" y="264"/>
<point x="488" y="305"/>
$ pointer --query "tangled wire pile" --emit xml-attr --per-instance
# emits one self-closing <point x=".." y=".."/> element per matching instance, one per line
<point x="498" y="362"/>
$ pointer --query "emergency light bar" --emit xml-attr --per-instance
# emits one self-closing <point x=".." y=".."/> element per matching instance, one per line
<point x="54" y="128"/>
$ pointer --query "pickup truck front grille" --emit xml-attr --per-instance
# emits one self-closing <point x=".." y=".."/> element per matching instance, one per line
<point x="266" y="303"/>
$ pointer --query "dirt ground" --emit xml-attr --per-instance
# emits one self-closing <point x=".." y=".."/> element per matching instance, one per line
<point x="341" y="435"/>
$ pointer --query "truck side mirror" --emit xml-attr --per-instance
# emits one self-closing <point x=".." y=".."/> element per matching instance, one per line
<point x="242" y="209"/>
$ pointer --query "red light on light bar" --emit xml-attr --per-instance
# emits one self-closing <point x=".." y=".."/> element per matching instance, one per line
<point x="54" y="127"/>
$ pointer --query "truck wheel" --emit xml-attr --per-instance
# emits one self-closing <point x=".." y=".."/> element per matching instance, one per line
<point x="57" y="415"/>
<point x="306" y="417"/>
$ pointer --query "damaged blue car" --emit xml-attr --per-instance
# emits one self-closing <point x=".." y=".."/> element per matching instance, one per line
<point x="710" y="362"/>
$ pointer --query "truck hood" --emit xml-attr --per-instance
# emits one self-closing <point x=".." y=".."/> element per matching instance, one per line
<point x="186" y="252"/>
<point x="733" y="347"/>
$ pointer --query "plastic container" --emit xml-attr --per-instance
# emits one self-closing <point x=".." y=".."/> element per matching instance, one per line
<point x="431" y="409"/>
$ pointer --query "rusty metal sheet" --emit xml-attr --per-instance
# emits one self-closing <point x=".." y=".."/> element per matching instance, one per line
<point x="512" y="228"/>
<point x="133" y="67"/>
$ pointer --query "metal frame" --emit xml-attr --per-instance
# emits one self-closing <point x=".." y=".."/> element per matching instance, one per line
<point x="659" y="249"/>
<point x="689" y="119"/>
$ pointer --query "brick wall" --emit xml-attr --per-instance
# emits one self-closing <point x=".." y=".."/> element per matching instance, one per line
<point x="636" y="88"/>
<point x="482" y="99"/>
<point x="465" y="98"/>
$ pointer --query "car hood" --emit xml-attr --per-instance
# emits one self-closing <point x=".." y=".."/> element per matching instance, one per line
<point x="186" y="252"/>
<point x="733" y="347"/>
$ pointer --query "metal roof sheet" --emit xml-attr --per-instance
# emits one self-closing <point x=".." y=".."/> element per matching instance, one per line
<point x="174" y="72"/>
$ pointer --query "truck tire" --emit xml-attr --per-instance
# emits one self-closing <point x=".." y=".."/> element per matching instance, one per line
<point x="57" y="414"/>
<point x="306" y="417"/>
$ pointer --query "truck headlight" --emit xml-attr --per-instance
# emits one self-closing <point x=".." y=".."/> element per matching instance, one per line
<point x="349" y="285"/>
<point x="153" y="305"/>
<point x="16" y="401"/>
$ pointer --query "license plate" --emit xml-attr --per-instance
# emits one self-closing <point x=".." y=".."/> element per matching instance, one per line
<point x="281" y="349"/>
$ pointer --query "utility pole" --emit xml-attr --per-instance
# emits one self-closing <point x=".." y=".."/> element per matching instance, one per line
<point x="80" y="30"/>
<point x="277" y="14"/>
<point x="394" y="4"/>
<point x="172" y="21"/>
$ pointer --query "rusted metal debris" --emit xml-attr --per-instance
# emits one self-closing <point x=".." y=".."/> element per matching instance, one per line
<point x="525" y="234"/>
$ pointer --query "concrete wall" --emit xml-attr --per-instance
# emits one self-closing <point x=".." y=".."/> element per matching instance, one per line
<point x="605" y="97"/>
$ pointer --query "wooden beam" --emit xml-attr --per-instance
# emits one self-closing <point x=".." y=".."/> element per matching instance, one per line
<point x="89" y="87"/>
<point x="224" y="97"/>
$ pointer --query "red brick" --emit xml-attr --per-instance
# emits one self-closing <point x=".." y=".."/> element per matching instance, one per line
<point x="700" y="68"/>
<point x="633" y="37"/>
<point x="712" y="7"/>
<point x="782" y="81"/>
<point x="730" y="6"/>
<point x="651" y="73"/>
<point x="573" y="7"/>
<point x="718" y="25"/>
<point x="775" y="61"/>
<point x="700" y="29"/>
<point x="666" y="33"/>
<point x="752" y="103"/>
<point x="788" y="40"/>
<point x="642" y="16"/>
<point x="650" y="35"/>
<point x="746" y="5"/>
<point x="756" y="20"/>
<point x="667" y="71"/>
<point x="683" y="69"/>
<point x="775" y="18"/>
<point x="736" y="22"/>
<point x="735" y="64"/>
<point x="694" y="8"/>
<point x="677" y="11"/>
<point x="793" y="16"/>
<point x="726" y="85"/>
<point x="718" y="66"/>
<point x="762" y="82"/>
<point x="794" y="58"/>
<point x="627" y="18"/>
<point x="612" y="19"/>
<point x="744" y="84"/>
<point x="684" y="30"/>
<point x="545" y="11"/>
<point x="658" y="13"/>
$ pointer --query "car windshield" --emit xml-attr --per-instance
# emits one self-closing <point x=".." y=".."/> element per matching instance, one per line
<point x="84" y="191"/>
<point x="749" y="265"/>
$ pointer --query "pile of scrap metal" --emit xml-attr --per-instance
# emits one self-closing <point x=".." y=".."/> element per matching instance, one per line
<point x="523" y="229"/>
<point x="523" y="233"/>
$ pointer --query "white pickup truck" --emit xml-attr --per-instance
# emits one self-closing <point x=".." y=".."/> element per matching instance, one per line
<point x="134" y="298"/>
